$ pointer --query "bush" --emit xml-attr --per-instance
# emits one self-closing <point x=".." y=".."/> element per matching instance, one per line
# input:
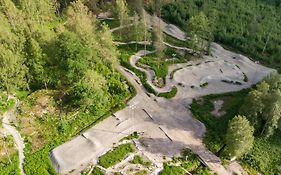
<point x="139" y="160"/>
<point x="116" y="155"/>
<point x="169" y="94"/>
<point x="172" y="170"/>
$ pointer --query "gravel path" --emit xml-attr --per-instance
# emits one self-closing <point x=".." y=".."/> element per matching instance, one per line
<point x="16" y="135"/>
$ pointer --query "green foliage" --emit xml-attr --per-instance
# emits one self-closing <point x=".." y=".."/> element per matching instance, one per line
<point x="268" y="163"/>
<point x="216" y="127"/>
<point x="139" y="160"/>
<point x="170" y="94"/>
<point x="172" y="170"/>
<point x="262" y="105"/>
<point x="5" y="104"/>
<point x="200" y="30"/>
<point x="141" y="172"/>
<point x="97" y="171"/>
<point x="249" y="26"/>
<point x="7" y="167"/>
<point x="159" y="67"/>
<point x="239" y="137"/>
<point x="116" y="155"/>
<point x="132" y="136"/>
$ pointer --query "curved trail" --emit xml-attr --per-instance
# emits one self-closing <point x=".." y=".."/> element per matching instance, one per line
<point x="13" y="131"/>
<point x="164" y="122"/>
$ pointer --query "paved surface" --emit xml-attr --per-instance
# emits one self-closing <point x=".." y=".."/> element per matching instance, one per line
<point x="16" y="136"/>
<point x="168" y="124"/>
<point x="163" y="121"/>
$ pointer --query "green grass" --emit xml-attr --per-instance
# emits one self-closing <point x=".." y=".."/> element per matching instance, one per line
<point x="116" y="155"/>
<point x="172" y="170"/>
<point x="139" y="160"/>
<point x="97" y="171"/>
<point x="132" y="136"/>
<point x="141" y="172"/>
<point x="7" y="168"/>
<point x="5" y="104"/>
<point x="114" y="23"/>
<point x="188" y="162"/>
<point x="265" y="156"/>
<point x="160" y="66"/>
<point x="175" y="42"/>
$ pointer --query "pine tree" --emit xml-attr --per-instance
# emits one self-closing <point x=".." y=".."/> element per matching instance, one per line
<point x="239" y="136"/>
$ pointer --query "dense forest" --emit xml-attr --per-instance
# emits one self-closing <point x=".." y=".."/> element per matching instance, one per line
<point x="65" y="56"/>
<point x="252" y="27"/>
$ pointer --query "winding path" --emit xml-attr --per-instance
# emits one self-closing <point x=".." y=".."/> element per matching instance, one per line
<point x="164" y="122"/>
<point x="13" y="131"/>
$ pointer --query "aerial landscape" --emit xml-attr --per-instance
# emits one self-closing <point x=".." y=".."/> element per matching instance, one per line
<point x="140" y="87"/>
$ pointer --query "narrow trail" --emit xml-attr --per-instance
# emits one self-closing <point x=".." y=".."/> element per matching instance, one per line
<point x="13" y="131"/>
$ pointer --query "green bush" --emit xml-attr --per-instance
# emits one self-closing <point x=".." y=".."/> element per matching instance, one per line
<point x="7" y="168"/>
<point x="116" y="155"/>
<point x="97" y="171"/>
<point x="139" y="160"/>
<point x="172" y="170"/>
<point x="169" y="94"/>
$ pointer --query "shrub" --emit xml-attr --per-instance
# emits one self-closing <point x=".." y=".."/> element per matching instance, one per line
<point x="116" y="155"/>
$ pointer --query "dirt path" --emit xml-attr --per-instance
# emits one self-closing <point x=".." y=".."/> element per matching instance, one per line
<point x="13" y="131"/>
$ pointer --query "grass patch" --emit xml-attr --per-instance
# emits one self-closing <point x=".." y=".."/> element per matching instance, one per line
<point x="132" y="136"/>
<point x="139" y="160"/>
<point x="175" y="42"/>
<point x="172" y="170"/>
<point x="160" y="67"/>
<point x="189" y="162"/>
<point x="141" y="172"/>
<point x="97" y="171"/>
<point x="7" y="167"/>
<point x="5" y="104"/>
<point x="173" y="92"/>
<point x="116" y="155"/>
<point x="112" y="23"/>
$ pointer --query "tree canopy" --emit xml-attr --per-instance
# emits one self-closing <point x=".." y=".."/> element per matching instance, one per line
<point x="239" y="136"/>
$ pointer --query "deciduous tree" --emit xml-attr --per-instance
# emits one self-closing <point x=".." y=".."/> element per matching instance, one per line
<point x="239" y="136"/>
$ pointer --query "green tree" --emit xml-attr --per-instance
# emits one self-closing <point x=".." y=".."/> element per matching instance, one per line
<point x="261" y="106"/>
<point x="122" y="11"/>
<point x="35" y="63"/>
<point x="200" y="30"/>
<point x="140" y="29"/>
<point x="239" y="137"/>
<point x="12" y="70"/>
<point x="71" y="61"/>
